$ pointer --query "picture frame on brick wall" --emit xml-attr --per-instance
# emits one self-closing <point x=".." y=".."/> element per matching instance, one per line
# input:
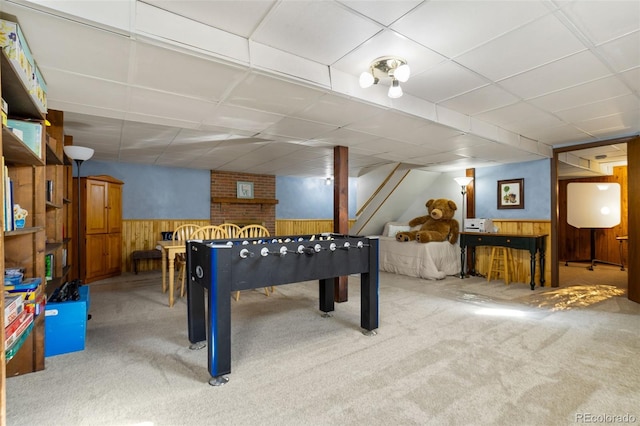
<point x="244" y="189"/>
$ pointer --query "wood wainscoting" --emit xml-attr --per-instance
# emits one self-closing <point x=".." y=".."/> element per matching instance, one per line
<point x="142" y="234"/>
<point x="521" y="258"/>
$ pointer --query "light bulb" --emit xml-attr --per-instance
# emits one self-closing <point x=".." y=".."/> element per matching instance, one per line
<point x="402" y="73"/>
<point x="366" y="80"/>
<point x="395" y="91"/>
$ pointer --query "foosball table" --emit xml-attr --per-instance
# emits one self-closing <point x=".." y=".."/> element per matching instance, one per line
<point x="226" y="266"/>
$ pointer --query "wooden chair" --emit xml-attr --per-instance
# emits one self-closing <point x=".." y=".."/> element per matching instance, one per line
<point x="232" y="229"/>
<point x="182" y="233"/>
<point x="254" y="231"/>
<point x="209" y="232"/>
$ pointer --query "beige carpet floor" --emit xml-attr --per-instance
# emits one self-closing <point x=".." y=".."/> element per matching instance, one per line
<point x="449" y="352"/>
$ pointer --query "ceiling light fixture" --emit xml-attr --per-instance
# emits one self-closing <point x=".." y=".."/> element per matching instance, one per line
<point x="387" y="67"/>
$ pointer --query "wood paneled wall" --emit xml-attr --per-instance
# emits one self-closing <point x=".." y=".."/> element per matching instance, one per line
<point x="575" y="243"/>
<point x="143" y="235"/>
<point x="521" y="257"/>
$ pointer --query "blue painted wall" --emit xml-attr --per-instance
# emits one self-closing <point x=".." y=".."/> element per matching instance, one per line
<point x="309" y="198"/>
<point x="537" y="193"/>
<point x="156" y="192"/>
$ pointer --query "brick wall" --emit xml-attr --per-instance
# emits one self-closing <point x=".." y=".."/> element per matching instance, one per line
<point x="223" y="185"/>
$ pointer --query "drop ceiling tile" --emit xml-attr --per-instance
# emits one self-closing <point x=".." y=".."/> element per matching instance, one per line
<point x="602" y="21"/>
<point x="237" y="17"/>
<point x="383" y="11"/>
<point x="595" y="91"/>
<point x="522" y="49"/>
<point x="337" y="111"/>
<point x="173" y="106"/>
<point x="600" y="109"/>
<point x="455" y="143"/>
<point x="560" y="134"/>
<point x="623" y="53"/>
<point x="273" y="95"/>
<point x="443" y="81"/>
<point x="483" y="99"/>
<point x="389" y="124"/>
<point x="95" y="53"/>
<point x="157" y="68"/>
<point x="320" y="31"/>
<point x="234" y="117"/>
<point x="632" y="78"/>
<point x="514" y="113"/>
<point x="628" y="120"/>
<point x="83" y="90"/>
<point x="298" y="129"/>
<point x="347" y="137"/>
<point x="571" y="71"/>
<point x="454" y="27"/>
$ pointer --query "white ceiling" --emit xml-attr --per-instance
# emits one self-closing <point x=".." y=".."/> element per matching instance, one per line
<point x="271" y="86"/>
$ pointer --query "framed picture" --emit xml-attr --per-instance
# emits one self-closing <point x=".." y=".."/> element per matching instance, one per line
<point x="511" y="194"/>
<point x="244" y="189"/>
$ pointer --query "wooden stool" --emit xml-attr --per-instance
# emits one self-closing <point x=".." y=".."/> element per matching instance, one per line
<point x="501" y="263"/>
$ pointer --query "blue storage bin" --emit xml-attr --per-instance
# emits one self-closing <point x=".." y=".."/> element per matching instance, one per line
<point x="65" y="325"/>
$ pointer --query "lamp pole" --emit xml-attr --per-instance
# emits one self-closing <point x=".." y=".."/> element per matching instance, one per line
<point x="78" y="221"/>
<point x="78" y="154"/>
<point x="463" y="182"/>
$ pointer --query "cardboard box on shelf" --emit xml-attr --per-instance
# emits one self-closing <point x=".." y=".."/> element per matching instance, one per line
<point x="15" y="46"/>
<point x="31" y="133"/>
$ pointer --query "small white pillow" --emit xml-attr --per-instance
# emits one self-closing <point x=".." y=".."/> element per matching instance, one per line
<point x="394" y="229"/>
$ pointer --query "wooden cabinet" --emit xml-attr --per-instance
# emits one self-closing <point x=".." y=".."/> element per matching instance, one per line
<point x="101" y="219"/>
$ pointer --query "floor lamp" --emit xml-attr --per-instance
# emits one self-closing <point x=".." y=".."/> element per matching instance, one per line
<point x="463" y="181"/>
<point x="593" y="205"/>
<point x="79" y="154"/>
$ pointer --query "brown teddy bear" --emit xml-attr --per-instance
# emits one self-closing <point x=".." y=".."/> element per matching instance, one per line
<point x="439" y="225"/>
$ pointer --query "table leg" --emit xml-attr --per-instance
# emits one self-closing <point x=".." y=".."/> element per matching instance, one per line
<point x="172" y="257"/>
<point x="533" y="269"/>
<point x="164" y="270"/>
<point x="542" y="262"/>
<point x="463" y="259"/>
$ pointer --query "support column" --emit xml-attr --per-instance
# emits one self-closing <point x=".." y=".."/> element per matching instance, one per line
<point x="633" y="186"/>
<point x="341" y="209"/>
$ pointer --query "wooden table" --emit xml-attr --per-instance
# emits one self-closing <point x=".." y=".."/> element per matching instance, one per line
<point x="169" y="251"/>
<point x="531" y="242"/>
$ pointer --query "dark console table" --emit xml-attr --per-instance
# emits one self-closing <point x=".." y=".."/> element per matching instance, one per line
<point x="222" y="267"/>
<point x="532" y="242"/>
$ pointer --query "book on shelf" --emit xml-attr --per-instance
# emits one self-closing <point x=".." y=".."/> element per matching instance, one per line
<point x="14" y="330"/>
<point x="48" y="266"/>
<point x="13" y="305"/>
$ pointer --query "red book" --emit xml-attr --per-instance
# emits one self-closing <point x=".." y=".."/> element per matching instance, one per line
<point x="14" y="330"/>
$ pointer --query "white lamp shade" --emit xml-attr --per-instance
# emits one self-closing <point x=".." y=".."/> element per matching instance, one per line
<point x="463" y="180"/>
<point x="395" y="91"/>
<point x="593" y="205"/>
<point x="402" y="73"/>
<point x="366" y="80"/>
<point x="78" y="152"/>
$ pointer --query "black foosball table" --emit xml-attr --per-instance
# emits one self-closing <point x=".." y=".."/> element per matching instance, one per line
<point x="226" y="266"/>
